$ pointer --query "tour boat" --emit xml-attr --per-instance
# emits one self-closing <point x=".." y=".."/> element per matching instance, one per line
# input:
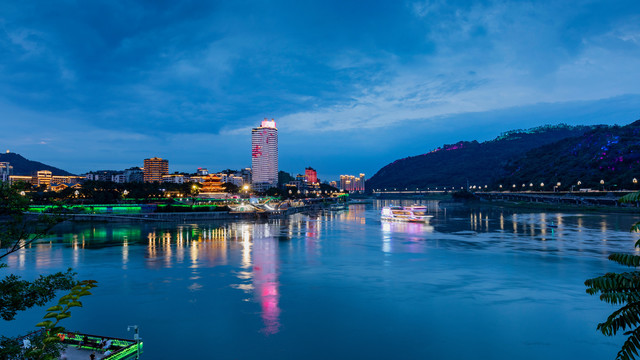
<point x="415" y="213"/>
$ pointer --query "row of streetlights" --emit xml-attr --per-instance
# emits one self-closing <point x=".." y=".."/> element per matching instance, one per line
<point x="501" y="187"/>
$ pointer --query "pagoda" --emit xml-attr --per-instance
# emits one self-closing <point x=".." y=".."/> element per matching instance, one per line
<point x="212" y="187"/>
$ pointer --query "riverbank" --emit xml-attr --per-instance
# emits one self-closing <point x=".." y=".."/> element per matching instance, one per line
<point x="399" y="196"/>
<point x="573" y="208"/>
<point x="189" y="216"/>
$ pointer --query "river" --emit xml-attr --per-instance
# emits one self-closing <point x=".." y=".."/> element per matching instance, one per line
<point x="476" y="283"/>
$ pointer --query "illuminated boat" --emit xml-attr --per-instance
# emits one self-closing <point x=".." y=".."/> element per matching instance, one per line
<point x="415" y="213"/>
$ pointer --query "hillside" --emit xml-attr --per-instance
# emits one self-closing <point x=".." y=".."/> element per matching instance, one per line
<point x="611" y="154"/>
<point x="22" y="166"/>
<point x="474" y="163"/>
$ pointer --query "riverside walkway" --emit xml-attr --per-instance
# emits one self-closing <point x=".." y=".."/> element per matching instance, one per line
<point x="191" y="216"/>
<point x="572" y="198"/>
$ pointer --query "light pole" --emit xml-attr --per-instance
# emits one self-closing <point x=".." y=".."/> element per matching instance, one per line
<point x="602" y="183"/>
<point x="136" y="337"/>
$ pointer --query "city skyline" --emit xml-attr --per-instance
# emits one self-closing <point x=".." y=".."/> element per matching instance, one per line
<point x="101" y="86"/>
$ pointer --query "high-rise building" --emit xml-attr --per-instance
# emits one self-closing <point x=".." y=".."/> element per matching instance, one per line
<point x="264" y="155"/>
<point x="351" y="183"/>
<point x="311" y="174"/>
<point x="155" y="168"/>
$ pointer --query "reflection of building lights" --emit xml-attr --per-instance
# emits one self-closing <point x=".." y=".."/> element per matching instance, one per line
<point x="125" y="253"/>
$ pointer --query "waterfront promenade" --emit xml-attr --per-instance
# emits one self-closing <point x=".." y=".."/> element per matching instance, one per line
<point x="191" y="216"/>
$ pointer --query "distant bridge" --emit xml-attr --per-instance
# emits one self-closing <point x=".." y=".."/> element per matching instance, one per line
<point x="602" y="198"/>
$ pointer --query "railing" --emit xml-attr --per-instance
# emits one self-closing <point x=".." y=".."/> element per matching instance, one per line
<point x="125" y="349"/>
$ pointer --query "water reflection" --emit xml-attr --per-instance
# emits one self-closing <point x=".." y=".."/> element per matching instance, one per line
<point x="248" y="257"/>
<point x="206" y="246"/>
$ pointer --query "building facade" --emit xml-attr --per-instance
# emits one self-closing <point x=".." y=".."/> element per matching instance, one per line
<point x="102" y="175"/>
<point x="311" y="175"/>
<point x="134" y="174"/>
<point x="352" y="183"/>
<point x="264" y="155"/>
<point x="6" y="170"/>
<point x="155" y="168"/>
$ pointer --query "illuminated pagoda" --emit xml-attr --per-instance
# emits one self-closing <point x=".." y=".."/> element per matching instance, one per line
<point x="212" y="188"/>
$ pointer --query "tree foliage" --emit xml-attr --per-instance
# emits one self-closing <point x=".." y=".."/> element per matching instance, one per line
<point x="549" y="154"/>
<point x="50" y="324"/>
<point x="478" y="163"/>
<point x="18" y="295"/>
<point x="18" y="229"/>
<point x="622" y="289"/>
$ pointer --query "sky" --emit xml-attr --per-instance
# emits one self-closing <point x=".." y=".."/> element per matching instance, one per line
<point x="352" y="85"/>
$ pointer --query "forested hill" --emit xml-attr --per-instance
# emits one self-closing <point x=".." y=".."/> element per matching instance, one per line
<point x="608" y="154"/>
<point x="475" y="163"/>
<point x="22" y="166"/>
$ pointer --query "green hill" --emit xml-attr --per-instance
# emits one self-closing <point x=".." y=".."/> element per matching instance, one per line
<point x="22" y="166"/>
<point x="547" y="154"/>
<point x="609" y="154"/>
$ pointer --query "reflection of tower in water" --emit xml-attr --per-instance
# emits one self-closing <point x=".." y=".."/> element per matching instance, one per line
<point x="265" y="276"/>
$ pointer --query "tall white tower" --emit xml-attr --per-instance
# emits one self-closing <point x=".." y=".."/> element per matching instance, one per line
<point x="264" y="155"/>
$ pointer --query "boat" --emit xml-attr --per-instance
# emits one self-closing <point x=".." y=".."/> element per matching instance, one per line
<point x="414" y="213"/>
<point x="338" y="207"/>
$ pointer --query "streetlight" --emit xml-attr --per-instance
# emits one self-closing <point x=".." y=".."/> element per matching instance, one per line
<point x="136" y="337"/>
<point x="602" y="183"/>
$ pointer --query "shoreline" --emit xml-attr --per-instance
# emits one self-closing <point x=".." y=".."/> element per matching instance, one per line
<point x="598" y="209"/>
<point x="187" y="216"/>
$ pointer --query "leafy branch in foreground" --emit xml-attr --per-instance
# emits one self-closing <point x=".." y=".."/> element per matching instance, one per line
<point x="18" y="228"/>
<point x="622" y="289"/>
<point x="53" y="317"/>
<point x="18" y="295"/>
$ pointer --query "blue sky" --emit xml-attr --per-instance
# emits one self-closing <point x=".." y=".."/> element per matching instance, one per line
<point x="353" y="85"/>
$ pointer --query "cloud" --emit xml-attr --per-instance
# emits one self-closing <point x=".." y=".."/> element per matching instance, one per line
<point x="143" y="78"/>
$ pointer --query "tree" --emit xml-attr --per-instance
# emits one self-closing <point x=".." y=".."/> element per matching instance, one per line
<point x="18" y="230"/>
<point x="231" y="188"/>
<point x="622" y="289"/>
